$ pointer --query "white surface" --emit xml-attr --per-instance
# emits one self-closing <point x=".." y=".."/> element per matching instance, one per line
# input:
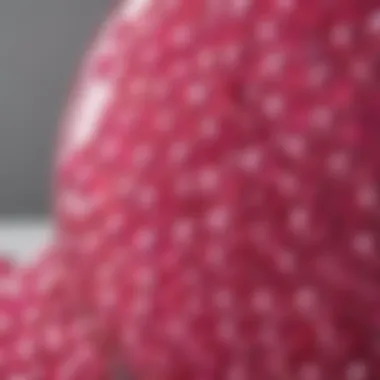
<point x="21" y="239"/>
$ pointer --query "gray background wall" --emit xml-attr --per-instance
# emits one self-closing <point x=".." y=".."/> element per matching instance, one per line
<point x="41" y="46"/>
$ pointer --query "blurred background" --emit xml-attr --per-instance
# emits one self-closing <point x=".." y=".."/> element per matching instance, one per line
<point x="42" y="43"/>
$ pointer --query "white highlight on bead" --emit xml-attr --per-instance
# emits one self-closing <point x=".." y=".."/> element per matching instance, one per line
<point x="218" y="219"/>
<point x="134" y="8"/>
<point x="356" y="371"/>
<point x="262" y="301"/>
<point x="240" y="7"/>
<point x="338" y="164"/>
<point x="183" y="230"/>
<point x="305" y="300"/>
<point x="286" y="262"/>
<point x="209" y="179"/>
<point x="96" y="96"/>
<point x="363" y="243"/>
<point x="272" y="64"/>
<point x="145" y="239"/>
<point x="299" y="220"/>
<point x="53" y="338"/>
<point x="341" y="35"/>
<point x="238" y="371"/>
<point x="310" y="371"/>
<point x="266" y="31"/>
<point x="286" y="5"/>
<point x="196" y="94"/>
<point x="273" y="106"/>
<point x="181" y="35"/>
<point x="251" y="159"/>
<point x="294" y="145"/>
<point x="367" y="197"/>
<point x="373" y="22"/>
